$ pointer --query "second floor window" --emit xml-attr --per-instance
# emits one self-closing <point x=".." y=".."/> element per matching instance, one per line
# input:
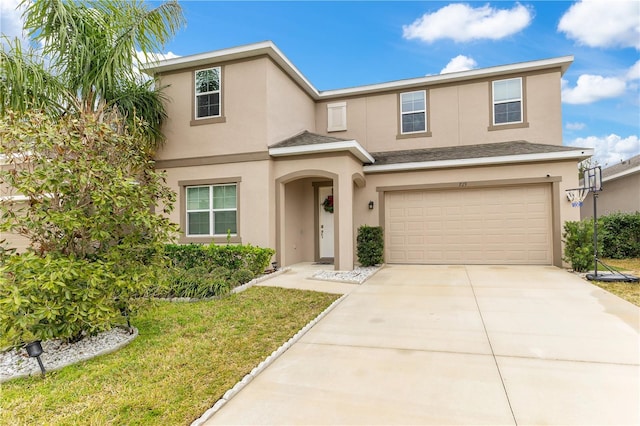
<point x="207" y="85"/>
<point x="212" y="210"/>
<point x="507" y="101"/>
<point x="413" y="112"/>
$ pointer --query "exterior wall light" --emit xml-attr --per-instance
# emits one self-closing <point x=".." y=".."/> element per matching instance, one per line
<point x="370" y="205"/>
<point x="34" y="350"/>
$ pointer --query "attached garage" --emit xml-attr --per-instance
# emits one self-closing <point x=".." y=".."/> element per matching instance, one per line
<point x="485" y="225"/>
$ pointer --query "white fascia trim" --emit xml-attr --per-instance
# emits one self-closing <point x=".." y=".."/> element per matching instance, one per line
<point x="467" y="162"/>
<point x="270" y="49"/>
<point x="233" y="53"/>
<point x="352" y="146"/>
<point x="563" y="62"/>
<point x="627" y="172"/>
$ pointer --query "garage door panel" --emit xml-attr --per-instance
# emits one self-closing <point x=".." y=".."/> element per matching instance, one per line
<point x="487" y="225"/>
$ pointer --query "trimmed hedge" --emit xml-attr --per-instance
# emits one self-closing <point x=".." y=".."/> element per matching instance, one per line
<point x="370" y="245"/>
<point x="200" y="271"/>
<point x="232" y="257"/>
<point x="618" y="238"/>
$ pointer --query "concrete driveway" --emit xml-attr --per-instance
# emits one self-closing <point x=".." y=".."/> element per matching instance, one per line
<point x="457" y="345"/>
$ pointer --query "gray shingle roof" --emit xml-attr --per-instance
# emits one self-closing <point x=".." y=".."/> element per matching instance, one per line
<point x="467" y="152"/>
<point x="621" y="167"/>
<point x="306" y="138"/>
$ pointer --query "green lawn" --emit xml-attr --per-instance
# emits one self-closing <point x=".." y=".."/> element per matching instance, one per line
<point x="627" y="291"/>
<point x="185" y="358"/>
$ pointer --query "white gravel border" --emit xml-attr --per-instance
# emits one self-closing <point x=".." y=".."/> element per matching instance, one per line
<point x="359" y="275"/>
<point x="58" y="354"/>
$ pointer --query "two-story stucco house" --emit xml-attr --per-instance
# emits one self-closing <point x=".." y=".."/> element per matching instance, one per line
<point x="460" y="168"/>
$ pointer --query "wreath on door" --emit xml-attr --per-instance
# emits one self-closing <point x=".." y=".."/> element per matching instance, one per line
<point x="328" y="204"/>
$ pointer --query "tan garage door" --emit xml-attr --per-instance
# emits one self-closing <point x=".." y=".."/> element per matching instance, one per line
<point x="506" y="225"/>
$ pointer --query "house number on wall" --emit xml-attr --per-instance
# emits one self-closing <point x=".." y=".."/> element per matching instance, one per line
<point x="462" y="185"/>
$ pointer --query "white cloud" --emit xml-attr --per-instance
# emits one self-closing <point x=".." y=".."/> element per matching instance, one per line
<point x="609" y="150"/>
<point x="634" y="72"/>
<point x="11" y="19"/>
<point x="461" y="22"/>
<point x="603" y="23"/>
<point x="575" y="126"/>
<point x="459" y="63"/>
<point x="592" y="88"/>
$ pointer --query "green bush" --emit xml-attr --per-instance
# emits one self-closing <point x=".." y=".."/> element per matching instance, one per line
<point x="241" y="276"/>
<point x="232" y="257"/>
<point x="620" y="234"/>
<point x="370" y="245"/>
<point x="196" y="283"/>
<point x="57" y="297"/>
<point x="618" y="238"/>
<point x="578" y="244"/>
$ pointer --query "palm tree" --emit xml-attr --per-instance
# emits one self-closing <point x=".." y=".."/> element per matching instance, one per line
<point x="87" y="61"/>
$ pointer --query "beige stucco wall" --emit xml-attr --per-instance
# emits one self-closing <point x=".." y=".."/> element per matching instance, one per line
<point x="260" y="105"/>
<point x="12" y="240"/>
<point x="255" y="211"/>
<point x="457" y="115"/>
<point x="289" y="110"/>
<point x="618" y="195"/>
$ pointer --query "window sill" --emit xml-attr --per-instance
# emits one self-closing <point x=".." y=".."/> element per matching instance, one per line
<point x="413" y="135"/>
<point x="208" y="240"/>
<point x="508" y="126"/>
<point x="212" y="120"/>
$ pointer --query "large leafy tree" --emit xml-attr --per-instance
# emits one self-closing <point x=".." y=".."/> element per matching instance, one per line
<point x="78" y="128"/>
<point x="86" y="60"/>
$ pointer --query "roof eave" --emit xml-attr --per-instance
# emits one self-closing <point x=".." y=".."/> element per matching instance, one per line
<point x="622" y="174"/>
<point x="235" y="53"/>
<point x="270" y="49"/>
<point x="484" y="161"/>
<point x="351" y="146"/>
<point x="561" y="62"/>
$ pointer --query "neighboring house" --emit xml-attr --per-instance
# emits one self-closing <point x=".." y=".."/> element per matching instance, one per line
<point x="620" y="190"/>
<point x="460" y="168"/>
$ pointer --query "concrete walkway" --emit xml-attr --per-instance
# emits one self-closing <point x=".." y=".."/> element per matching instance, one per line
<point x="457" y="345"/>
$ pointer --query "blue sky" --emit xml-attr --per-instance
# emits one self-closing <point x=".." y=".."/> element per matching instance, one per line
<point x="344" y="44"/>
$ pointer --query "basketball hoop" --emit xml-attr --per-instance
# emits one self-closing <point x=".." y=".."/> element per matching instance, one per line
<point x="577" y="196"/>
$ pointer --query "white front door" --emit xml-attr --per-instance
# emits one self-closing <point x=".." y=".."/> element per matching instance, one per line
<point x="325" y="222"/>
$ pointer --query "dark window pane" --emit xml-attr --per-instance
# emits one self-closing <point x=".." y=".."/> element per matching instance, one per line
<point x="508" y="112"/>
<point x="413" y="122"/>
<point x="198" y="223"/>
<point x="208" y="105"/>
<point x="225" y="221"/>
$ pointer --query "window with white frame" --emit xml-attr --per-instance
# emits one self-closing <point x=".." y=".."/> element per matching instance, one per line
<point x="413" y="112"/>
<point x="212" y="210"/>
<point x="507" y="101"/>
<point x="207" y="93"/>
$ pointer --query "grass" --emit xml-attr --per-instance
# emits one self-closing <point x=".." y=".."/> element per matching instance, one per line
<point x="627" y="291"/>
<point x="187" y="355"/>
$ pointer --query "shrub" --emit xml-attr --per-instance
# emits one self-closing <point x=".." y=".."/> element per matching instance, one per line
<point x="232" y="257"/>
<point x="578" y="248"/>
<point x="196" y="282"/>
<point x="620" y="234"/>
<point x="370" y="245"/>
<point x="241" y="276"/>
<point x="57" y="297"/>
